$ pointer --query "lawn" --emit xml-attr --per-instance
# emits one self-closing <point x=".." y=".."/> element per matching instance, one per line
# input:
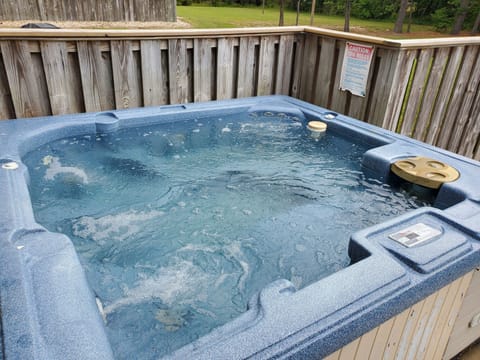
<point x="202" y="17"/>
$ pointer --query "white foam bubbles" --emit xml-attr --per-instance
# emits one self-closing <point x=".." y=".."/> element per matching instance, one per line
<point x="55" y="168"/>
<point x="182" y="283"/>
<point x="113" y="226"/>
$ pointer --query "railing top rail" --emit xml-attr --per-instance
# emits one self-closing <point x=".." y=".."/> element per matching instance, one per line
<point x="8" y="33"/>
<point x="397" y="43"/>
<point x="96" y="34"/>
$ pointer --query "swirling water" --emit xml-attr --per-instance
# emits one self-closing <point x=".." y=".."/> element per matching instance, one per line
<point x="178" y="224"/>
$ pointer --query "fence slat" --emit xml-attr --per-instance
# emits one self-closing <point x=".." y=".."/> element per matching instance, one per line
<point x="458" y="112"/>
<point x="284" y="66"/>
<point x="202" y="69"/>
<point x="417" y="92"/>
<point x="339" y="97"/>
<point x="266" y="66"/>
<point x="97" y="77"/>
<point x="63" y="97"/>
<point x="27" y="96"/>
<point x="382" y="86"/>
<point x="400" y="79"/>
<point x="298" y="69"/>
<point x="125" y="76"/>
<point x="309" y="67"/>
<point x="154" y="73"/>
<point x="6" y="105"/>
<point x="225" y="76"/>
<point x="247" y="67"/>
<point x="324" y="80"/>
<point x="431" y="91"/>
<point x="469" y="146"/>
<point x="444" y="94"/>
<point x="178" y="71"/>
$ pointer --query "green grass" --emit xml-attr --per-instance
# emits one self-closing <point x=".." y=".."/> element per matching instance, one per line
<point x="203" y="17"/>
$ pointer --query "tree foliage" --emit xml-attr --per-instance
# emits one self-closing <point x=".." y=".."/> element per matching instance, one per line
<point x="440" y="13"/>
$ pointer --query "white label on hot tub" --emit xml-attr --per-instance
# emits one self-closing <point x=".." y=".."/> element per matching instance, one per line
<point x="415" y="234"/>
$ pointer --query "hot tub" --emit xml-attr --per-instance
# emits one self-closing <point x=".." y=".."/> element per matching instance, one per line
<point x="218" y="230"/>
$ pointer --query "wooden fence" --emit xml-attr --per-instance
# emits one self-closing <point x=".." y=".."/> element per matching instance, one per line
<point x="88" y="10"/>
<point x="427" y="89"/>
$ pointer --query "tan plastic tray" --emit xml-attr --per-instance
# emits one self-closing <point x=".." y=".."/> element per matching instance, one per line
<point x="424" y="171"/>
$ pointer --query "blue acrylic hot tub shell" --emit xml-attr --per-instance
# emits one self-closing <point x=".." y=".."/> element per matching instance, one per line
<point x="49" y="312"/>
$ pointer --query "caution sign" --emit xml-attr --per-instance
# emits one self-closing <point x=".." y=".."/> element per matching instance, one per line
<point x="355" y="68"/>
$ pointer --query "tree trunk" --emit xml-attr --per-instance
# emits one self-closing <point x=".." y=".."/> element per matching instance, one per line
<point x="348" y="8"/>
<point x="282" y="5"/>
<point x="298" y="12"/>
<point x="476" y="26"/>
<point x="401" y="16"/>
<point x="312" y="13"/>
<point x="409" y="20"/>
<point x="461" y="15"/>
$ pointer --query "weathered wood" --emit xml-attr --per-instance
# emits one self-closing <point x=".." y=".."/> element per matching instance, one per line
<point x="395" y="335"/>
<point x="326" y="71"/>
<point x="381" y="339"/>
<point x="6" y="105"/>
<point x="296" y="90"/>
<point x="382" y="86"/>
<point x="154" y="73"/>
<point x="88" y="10"/>
<point x="63" y="93"/>
<point x="413" y="98"/>
<point x="339" y="97"/>
<point x="462" y="334"/>
<point x="309" y="67"/>
<point x="25" y="87"/>
<point x="226" y="86"/>
<point x="419" y="332"/>
<point x="444" y="95"/>
<point x="408" y="330"/>
<point x="470" y="144"/>
<point x="400" y="80"/>
<point x="247" y="67"/>
<point x="125" y="76"/>
<point x="178" y="71"/>
<point x="284" y="64"/>
<point x="452" y="315"/>
<point x="266" y="66"/>
<point x="96" y="74"/>
<point x="458" y="117"/>
<point x="431" y="90"/>
<point x="203" y="69"/>
<point x="417" y="91"/>
<point x="430" y="327"/>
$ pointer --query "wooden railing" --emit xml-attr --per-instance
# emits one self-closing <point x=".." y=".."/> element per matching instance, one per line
<point x="427" y="89"/>
<point x="88" y="10"/>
